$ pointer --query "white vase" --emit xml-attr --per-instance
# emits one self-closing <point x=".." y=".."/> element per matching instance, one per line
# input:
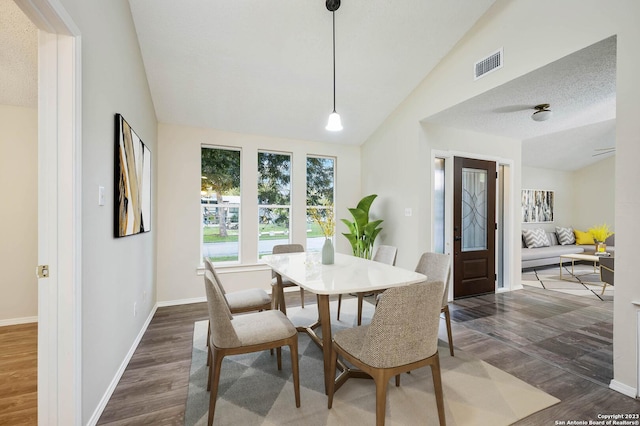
<point x="327" y="252"/>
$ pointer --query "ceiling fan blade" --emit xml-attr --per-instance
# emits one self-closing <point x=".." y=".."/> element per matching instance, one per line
<point x="604" y="152"/>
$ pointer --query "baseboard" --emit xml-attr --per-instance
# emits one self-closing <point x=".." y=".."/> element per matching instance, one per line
<point x="623" y="389"/>
<point x="181" y="302"/>
<point x="116" y="379"/>
<point x="17" y="321"/>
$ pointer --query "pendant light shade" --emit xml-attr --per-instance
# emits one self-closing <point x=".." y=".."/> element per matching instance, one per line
<point x="334" y="124"/>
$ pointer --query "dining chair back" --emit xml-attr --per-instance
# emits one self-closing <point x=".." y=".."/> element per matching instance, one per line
<point x="402" y="336"/>
<point x="277" y="291"/>
<point x="249" y="300"/>
<point x="383" y="254"/>
<point x="252" y="332"/>
<point x="437" y="267"/>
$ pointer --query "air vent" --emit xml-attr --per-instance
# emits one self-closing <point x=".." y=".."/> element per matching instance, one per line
<point x="489" y="64"/>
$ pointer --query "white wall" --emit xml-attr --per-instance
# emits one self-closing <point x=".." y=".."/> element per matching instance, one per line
<point x="561" y="183"/>
<point x="571" y="25"/>
<point x="179" y="218"/>
<point x="19" y="214"/>
<point x="594" y="195"/>
<point x="582" y="198"/>
<point x="116" y="273"/>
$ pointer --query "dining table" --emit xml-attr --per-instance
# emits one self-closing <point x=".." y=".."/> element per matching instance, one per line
<point x="347" y="274"/>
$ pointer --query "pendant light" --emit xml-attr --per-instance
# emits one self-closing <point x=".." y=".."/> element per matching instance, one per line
<point x="334" y="124"/>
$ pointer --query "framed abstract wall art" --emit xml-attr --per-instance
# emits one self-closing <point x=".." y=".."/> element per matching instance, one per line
<point x="537" y="206"/>
<point x="132" y="181"/>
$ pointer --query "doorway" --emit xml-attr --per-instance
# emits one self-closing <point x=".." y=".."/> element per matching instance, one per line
<point x="474" y="227"/>
<point x="59" y="214"/>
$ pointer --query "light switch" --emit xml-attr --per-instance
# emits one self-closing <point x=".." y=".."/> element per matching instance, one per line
<point x="407" y="211"/>
<point x="101" y="195"/>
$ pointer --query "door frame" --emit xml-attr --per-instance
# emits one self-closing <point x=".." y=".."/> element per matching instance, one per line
<point x="59" y="212"/>
<point x="511" y="274"/>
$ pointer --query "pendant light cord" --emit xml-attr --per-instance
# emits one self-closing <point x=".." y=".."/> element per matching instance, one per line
<point x="333" y="14"/>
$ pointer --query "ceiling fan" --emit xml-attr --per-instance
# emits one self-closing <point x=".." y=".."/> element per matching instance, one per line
<point x="603" y="151"/>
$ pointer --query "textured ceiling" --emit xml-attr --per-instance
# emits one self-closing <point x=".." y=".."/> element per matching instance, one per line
<point x="18" y="57"/>
<point x="265" y="67"/>
<point x="581" y="89"/>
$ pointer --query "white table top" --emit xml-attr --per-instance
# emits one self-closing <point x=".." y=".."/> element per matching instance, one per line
<point x="349" y="274"/>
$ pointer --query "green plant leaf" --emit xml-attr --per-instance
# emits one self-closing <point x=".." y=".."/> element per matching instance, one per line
<point x="365" y="204"/>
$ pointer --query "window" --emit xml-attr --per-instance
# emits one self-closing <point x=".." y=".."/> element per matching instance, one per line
<point x="220" y="204"/>
<point x="438" y="206"/>
<point x="320" y="197"/>
<point x="274" y="200"/>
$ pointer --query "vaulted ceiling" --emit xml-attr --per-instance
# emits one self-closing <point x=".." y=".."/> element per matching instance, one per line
<point x="265" y="68"/>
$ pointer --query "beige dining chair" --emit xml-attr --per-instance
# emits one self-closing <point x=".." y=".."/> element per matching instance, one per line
<point x="254" y="299"/>
<point x="437" y="267"/>
<point x="384" y="254"/>
<point x="402" y="336"/>
<point x="278" y="296"/>
<point x="241" y="334"/>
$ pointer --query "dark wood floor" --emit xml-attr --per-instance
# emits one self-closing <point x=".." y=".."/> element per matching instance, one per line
<point x="559" y="343"/>
<point x="18" y="374"/>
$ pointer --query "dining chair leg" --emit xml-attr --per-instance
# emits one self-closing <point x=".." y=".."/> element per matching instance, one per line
<point x="209" y="356"/>
<point x="360" y="300"/>
<point x="381" y="380"/>
<point x="447" y="319"/>
<point x="437" y="388"/>
<point x="293" y="348"/>
<point x="397" y="380"/>
<point x="279" y="357"/>
<point x="332" y="383"/>
<point x="215" y="379"/>
<point x="302" y="297"/>
<point x="339" y="306"/>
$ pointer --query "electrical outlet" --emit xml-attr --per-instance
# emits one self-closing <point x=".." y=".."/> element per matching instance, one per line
<point x="135" y="309"/>
<point x="407" y="211"/>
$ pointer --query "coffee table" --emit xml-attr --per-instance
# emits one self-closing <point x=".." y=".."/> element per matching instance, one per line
<point x="586" y="256"/>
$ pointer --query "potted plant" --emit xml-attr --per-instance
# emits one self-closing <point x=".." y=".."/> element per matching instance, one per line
<point x="324" y="219"/>
<point x="362" y="233"/>
<point x="600" y="233"/>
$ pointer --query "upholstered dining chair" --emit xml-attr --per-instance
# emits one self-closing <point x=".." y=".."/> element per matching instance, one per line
<point x="437" y="267"/>
<point x="278" y="297"/>
<point x="384" y="254"/>
<point x="254" y="299"/>
<point x="252" y="332"/>
<point x="402" y="336"/>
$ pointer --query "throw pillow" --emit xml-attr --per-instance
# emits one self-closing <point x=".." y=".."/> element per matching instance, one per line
<point x="565" y="236"/>
<point x="535" y="238"/>
<point x="583" y="237"/>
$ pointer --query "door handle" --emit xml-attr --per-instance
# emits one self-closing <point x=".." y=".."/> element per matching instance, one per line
<point x="457" y="238"/>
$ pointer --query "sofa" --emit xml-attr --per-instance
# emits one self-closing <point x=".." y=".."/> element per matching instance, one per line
<point x="550" y="255"/>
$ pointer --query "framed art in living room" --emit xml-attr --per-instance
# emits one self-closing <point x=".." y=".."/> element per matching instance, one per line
<point x="537" y="206"/>
<point x="132" y="181"/>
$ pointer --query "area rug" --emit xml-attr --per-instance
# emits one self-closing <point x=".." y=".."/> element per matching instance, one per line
<point x="253" y="392"/>
<point x="584" y="283"/>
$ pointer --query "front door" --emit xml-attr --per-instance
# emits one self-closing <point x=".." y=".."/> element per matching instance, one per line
<point x="474" y="227"/>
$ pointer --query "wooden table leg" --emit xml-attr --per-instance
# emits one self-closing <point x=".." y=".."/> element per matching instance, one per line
<point x="325" y="323"/>
<point x="280" y="294"/>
